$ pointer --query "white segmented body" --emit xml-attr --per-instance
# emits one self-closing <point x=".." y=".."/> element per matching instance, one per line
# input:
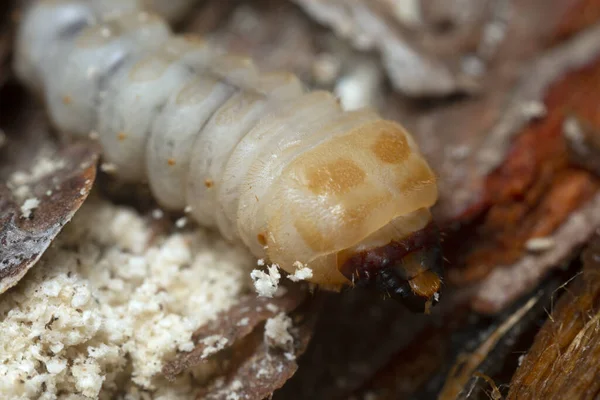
<point x="284" y="170"/>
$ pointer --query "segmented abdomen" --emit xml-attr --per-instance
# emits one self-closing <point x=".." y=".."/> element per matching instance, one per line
<point x="284" y="170"/>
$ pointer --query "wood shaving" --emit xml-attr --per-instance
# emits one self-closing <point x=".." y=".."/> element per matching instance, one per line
<point x="563" y="360"/>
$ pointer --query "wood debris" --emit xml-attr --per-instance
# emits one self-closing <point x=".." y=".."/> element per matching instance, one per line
<point x="235" y="324"/>
<point x="25" y="233"/>
<point x="563" y="361"/>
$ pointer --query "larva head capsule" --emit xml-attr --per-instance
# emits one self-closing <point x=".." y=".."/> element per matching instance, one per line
<point x="408" y="269"/>
<point x="355" y="208"/>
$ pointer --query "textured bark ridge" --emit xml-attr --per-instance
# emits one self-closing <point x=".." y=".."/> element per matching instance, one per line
<point x="563" y="361"/>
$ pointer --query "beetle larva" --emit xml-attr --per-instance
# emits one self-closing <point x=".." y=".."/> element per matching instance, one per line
<point x="255" y="155"/>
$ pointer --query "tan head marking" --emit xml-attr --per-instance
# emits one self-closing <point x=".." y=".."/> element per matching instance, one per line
<point x="337" y="177"/>
<point x="391" y="147"/>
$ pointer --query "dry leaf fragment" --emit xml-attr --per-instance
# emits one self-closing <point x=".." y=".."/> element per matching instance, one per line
<point x="253" y="369"/>
<point x="259" y="369"/>
<point x="233" y="325"/>
<point x="58" y="195"/>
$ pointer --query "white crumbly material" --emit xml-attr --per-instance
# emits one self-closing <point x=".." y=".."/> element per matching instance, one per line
<point x="277" y="332"/>
<point x="214" y="344"/>
<point x="302" y="272"/>
<point x="109" y="303"/>
<point x="28" y="206"/>
<point x="20" y="181"/>
<point x="266" y="284"/>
